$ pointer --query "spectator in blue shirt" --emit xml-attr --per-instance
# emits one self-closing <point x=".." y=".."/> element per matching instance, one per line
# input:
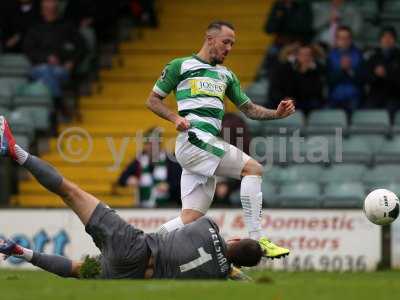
<point x="345" y="72"/>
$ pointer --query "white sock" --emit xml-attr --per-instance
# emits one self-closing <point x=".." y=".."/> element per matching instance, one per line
<point x="171" y="225"/>
<point x="24" y="253"/>
<point x="21" y="155"/>
<point x="251" y="198"/>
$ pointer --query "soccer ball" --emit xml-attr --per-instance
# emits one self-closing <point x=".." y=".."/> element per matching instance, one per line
<point x="381" y="207"/>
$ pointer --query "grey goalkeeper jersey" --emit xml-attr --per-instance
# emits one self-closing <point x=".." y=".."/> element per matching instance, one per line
<point x="194" y="251"/>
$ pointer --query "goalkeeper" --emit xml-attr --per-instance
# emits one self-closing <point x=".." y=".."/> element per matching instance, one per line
<point x="195" y="251"/>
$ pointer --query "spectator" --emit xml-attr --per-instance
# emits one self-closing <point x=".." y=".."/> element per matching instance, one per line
<point x="55" y="48"/>
<point x="105" y="20"/>
<point x="18" y="16"/>
<point x="1" y="37"/>
<point x="328" y="17"/>
<point x="235" y="132"/>
<point x="223" y="189"/>
<point x="290" y="21"/>
<point x="144" y="11"/>
<point x="155" y="175"/>
<point x="345" y="72"/>
<point x="277" y="86"/>
<point x="174" y="172"/>
<point x="81" y="12"/>
<point x="384" y="73"/>
<point x="99" y="15"/>
<point x="300" y="77"/>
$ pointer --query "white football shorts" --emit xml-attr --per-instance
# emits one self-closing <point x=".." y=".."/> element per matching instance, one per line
<point x="202" y="156"/>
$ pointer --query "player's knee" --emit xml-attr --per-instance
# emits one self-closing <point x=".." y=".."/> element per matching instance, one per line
<point x="190" y="215"/>
<point x="252" y="167"/>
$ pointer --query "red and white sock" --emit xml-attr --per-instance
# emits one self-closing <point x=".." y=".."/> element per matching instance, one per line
<point x="16" y="152"/>
<point x="20" y="155"/>
<point x="22" y="252"/>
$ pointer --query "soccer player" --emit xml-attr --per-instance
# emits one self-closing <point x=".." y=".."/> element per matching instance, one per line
<point x="200" y="83"/>
<point x="194" y="251"/>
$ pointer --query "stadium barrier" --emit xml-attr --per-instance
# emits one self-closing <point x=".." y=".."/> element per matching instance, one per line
<point x="330" y="240"/>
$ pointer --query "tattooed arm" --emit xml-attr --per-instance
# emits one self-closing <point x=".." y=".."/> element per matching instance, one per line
<point x="156" y="105"/>
<point x="258" y="112"/>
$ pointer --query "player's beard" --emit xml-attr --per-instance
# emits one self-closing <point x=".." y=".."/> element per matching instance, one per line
<point x="215" y="60"/>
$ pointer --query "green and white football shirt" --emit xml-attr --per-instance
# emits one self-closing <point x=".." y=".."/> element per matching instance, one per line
<point x="199" y="89"/>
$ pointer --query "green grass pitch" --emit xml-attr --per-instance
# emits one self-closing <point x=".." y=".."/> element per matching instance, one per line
<point x="28" y="285"/>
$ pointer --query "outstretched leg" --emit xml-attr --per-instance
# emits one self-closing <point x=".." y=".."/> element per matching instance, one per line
<point x="55" y="264"/>
<point x="82" y="203"/>
<point x="128" y="260"/>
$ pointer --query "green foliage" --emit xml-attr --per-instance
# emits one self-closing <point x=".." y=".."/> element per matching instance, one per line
<point x="90" y="268"/>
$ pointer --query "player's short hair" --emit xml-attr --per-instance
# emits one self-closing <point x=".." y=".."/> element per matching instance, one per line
<point x="245" y="253"/>
<point x="345" y="28"/>
<point x="388" y="30"/>
<point x="217" y="25"/>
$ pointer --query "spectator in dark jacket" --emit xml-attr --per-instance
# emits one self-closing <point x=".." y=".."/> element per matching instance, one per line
<point x="235" y="132"/>
<point x="54" y="47"/>
<point x="81" y="12"/>
<point x="105" y="20"/>
<point x="18" y="16"/>
<point x="384" y="73"/>
<point x="290" y="21"/>
<point x="302" y="78"/>
<point x="345" y="72"/>
<point x="277" y="71"/>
